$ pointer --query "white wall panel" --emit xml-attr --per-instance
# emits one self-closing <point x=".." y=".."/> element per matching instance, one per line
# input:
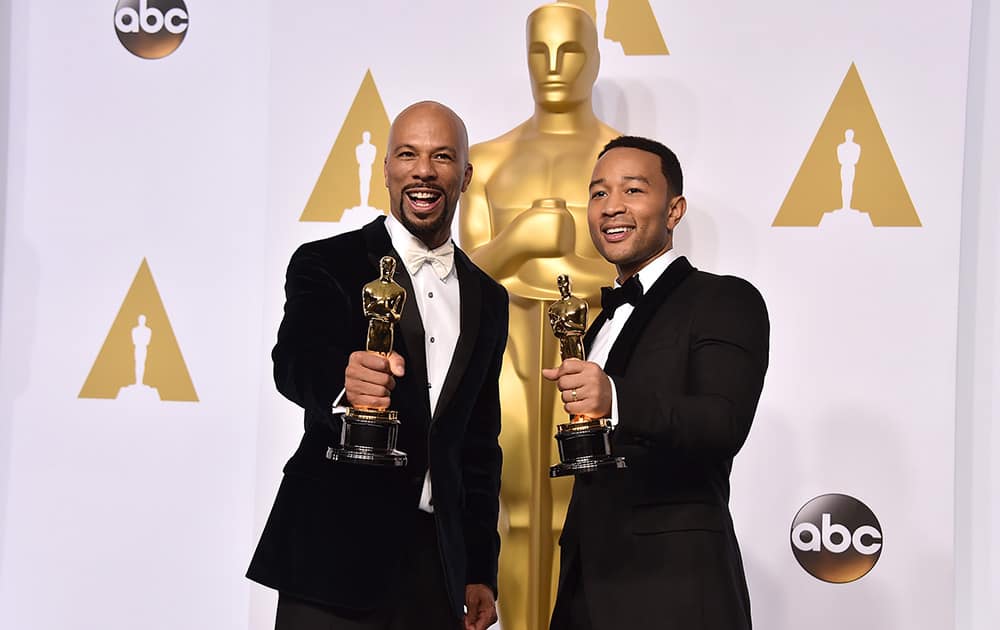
<point x="124" y="514"/>
<point x="203" y="161"/>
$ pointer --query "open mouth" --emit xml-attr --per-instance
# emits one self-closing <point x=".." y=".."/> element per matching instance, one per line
<point x="424" y="199"/>
<point x="616" y="233"/>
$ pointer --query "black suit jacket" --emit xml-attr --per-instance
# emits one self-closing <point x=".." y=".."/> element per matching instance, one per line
<point x="336" y="529"/>
<point x="655" y="541"/>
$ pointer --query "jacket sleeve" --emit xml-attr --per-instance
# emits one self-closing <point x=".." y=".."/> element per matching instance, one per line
<point x="311" y="353"/>
<point x="711" y="414"/>
<point x="481" y="464"/>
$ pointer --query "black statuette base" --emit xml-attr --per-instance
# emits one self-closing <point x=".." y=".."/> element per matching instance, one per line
<point x="584" y="447"/>
<point x="368" y="436"/>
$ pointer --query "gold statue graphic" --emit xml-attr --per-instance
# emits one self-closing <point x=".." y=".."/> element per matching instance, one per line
<point x="382" y="302"/>
<point x="524" y="220"/>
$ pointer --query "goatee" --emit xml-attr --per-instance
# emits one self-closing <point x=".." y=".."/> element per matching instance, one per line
<point x="425" y="231"/>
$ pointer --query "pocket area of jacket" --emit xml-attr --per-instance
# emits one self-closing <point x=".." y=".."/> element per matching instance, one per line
<point x="657" y="518"/>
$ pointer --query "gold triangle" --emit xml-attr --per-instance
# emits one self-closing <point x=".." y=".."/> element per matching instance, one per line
<point x="631" y="23"/>
<point x="590" y="6"/>
<point x="338" y="188"/>
<point x="878" y="187"/>
<point x="165" y="370"/>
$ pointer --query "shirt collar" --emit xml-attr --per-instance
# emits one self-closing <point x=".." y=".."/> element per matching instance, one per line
<point x="649" y="274"/>
<point x="404" y="242"/>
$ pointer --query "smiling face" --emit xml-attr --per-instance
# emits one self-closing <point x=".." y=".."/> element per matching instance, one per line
<point x="563" y="57"/>
<point x="427" y="169"/>
<point x="631" y="213"/>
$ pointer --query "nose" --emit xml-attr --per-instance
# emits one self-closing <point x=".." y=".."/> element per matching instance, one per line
<point x="423" y="169"/>
<point x="554" y="57"/>
<point x="614" y="204"/>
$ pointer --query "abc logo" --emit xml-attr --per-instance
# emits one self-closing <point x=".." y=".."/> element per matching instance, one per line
<point x="836" y="538"/>
<point x="151" y="29"/>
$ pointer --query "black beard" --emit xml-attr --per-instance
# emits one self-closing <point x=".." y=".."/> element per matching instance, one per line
<point x="428" y="231"/>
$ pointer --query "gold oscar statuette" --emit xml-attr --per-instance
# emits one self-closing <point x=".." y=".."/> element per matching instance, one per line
<point x="524" y="221"/>
<point x="584" y="443"/>
<point x="368" y="436"/>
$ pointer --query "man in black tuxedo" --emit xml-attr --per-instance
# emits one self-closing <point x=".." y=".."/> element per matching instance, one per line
<point x="356" y="546"/>
<point x="677" y="359"/>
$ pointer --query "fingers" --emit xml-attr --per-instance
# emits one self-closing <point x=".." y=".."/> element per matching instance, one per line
<point x="482" y="610"/>
<point x="584" y="388"/>
<point x="473" y="613"/>
<point x="579" y="376"/>
<point x="368" y="380"/>
<point x="482" y="614"/>
<point x="569" y="366"/>
<point x="368" y="360"/>
<point x="397" y="365"/>
<point x="578" y="394"/>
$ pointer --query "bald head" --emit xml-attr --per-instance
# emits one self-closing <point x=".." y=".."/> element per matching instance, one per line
<point x="441" y="114"/>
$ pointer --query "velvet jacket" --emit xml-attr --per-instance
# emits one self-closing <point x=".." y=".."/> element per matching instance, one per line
<point x="335" y="531"/>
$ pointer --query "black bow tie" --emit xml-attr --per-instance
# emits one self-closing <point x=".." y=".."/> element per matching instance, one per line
<point x="629" y="292"/>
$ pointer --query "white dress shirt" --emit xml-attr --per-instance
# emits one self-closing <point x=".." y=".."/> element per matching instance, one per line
<point x="439" y="303"/>
<point x="609" y="332"/>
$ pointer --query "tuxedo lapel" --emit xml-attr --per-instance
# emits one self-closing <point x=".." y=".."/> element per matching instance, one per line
<point x="471" y="304"/>
<point x="411" y="326"/>
<point x="623" y="347"/>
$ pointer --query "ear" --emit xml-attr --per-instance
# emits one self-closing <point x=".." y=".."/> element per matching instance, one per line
<point x="385" y="170"/>
<point x="675" y="212"/>
<point x="468" y="176"/>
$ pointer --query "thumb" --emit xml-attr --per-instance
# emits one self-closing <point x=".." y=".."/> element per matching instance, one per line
<point x="397" y="365"/>
<point x="551" y="374"/>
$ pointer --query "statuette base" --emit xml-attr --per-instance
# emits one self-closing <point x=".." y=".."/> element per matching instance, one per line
<point x="368" y="436"/>
<point x="584" y="447"/>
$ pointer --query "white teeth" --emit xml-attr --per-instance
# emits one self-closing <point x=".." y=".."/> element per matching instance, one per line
<point x="423" y="196"/>
<point x="617" y="230"/>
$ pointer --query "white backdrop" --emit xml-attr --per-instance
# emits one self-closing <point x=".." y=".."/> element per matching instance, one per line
<point x="124" y="513"/>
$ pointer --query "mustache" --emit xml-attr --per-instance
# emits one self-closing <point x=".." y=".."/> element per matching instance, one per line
<point x="427" y="186"/>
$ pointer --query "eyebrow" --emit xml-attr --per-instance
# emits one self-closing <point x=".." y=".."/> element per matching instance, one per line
<point x="407" y="145"/>
<point x="627" y="178"/>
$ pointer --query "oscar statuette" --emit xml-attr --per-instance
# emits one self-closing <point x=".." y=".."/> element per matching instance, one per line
<point x="584" y="443"/>
<point x="368" y="436"/>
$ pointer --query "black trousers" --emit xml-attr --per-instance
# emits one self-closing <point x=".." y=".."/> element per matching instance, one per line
<point x="570" y="611"/>
<point x="419" y="601"/>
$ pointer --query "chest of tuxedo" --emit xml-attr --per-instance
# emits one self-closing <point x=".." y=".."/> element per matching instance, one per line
<point x="656" y="340"/>
<point x="653" y="356"/>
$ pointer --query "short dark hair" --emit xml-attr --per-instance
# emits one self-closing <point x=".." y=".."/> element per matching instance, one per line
<point x="669" y="164"/>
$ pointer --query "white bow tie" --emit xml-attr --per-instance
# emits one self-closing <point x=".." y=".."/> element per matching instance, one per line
<point x="442" y="259"/>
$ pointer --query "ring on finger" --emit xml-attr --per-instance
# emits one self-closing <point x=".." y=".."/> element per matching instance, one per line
<point x="573" y="394"/>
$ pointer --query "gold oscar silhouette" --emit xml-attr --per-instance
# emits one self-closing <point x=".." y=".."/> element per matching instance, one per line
<point x="368" y="436"/>
<point x="524" y="220"/>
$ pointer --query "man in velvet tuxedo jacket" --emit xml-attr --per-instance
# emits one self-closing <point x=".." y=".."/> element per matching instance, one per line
<point x="356" y="546"/>
<point x="677" y="360"/>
